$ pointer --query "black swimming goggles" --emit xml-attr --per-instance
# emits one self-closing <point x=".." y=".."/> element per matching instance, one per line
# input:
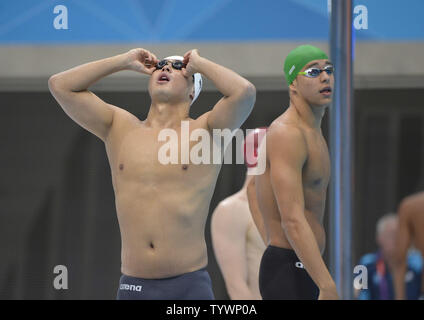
<point x="176" y="64"/>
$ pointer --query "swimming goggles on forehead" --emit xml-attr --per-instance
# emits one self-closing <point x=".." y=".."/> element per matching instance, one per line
<point x="176" y="64"/>
<point x="315" y="72"/>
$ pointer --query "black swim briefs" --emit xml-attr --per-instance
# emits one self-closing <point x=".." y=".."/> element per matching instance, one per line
<point x="283" y="277"/>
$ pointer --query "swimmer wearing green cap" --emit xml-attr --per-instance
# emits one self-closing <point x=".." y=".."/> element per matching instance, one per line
<point x="291" y="193"/>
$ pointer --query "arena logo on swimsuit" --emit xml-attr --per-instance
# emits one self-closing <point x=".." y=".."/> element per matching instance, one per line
<point x="200" y="153"/>
<point x="130" y="287"/>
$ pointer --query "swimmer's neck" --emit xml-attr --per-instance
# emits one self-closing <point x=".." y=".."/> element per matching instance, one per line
<point x="167" y="115"/>
<point x="309" y="114"/>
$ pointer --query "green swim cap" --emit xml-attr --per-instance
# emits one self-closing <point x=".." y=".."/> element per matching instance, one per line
<point x="298" y="58"/>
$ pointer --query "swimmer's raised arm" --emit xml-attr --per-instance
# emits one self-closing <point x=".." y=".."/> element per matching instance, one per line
<point x="70" y="88"/>
<point x="239" y="94"/>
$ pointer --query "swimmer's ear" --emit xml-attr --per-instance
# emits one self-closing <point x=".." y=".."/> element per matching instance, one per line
<point x="293" y="86"/>
<point x="192" y="94"/>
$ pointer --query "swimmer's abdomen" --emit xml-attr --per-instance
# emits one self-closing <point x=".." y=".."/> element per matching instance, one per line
<point x="162" y="238"/>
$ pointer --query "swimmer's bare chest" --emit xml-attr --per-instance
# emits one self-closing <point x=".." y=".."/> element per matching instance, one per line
<point x="316" y="173"/>
<point x="147" y="176"/>
<point x="143" y="166"/>
<point x="315" y="179"/>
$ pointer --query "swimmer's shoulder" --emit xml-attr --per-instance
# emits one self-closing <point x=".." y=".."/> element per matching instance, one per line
<point x="412" y="204"/>
<point x="228" y="204"/>
<point x="416" y="198"/>
<point x="122" y="117"/>
<point x="230" y="208"/>
<point x="285" y="130"/>
<point x="123" y="121"/>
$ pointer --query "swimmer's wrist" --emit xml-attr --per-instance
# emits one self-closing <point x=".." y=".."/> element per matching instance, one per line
<point x="123" y="62"/>
<point x="199" y="65"/>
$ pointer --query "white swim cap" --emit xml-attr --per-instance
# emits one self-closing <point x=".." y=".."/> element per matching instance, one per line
<point x="197" y="79"/>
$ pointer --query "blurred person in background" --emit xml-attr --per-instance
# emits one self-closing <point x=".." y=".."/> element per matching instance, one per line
<point x="381" y="265"/>
<point x="237" y="243"/>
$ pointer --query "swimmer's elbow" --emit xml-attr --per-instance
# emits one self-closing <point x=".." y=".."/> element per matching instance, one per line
<point x="52" y="83"/>
<point x="56" y="84"/>
<point x="249" y="94"/>
<point x="245" y="94"/>
<point x="249" y="90"/>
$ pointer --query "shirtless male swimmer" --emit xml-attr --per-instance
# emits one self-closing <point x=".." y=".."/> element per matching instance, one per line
<point x="161" y="209"/>
<point x="291" y="193"/>
<point x="237" y="243"/>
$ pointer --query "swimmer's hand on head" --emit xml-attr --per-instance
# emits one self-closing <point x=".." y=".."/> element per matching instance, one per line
<point x="191" y="58"/>
<point x="239" y="94"/>
<point x="140" y="60"/>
